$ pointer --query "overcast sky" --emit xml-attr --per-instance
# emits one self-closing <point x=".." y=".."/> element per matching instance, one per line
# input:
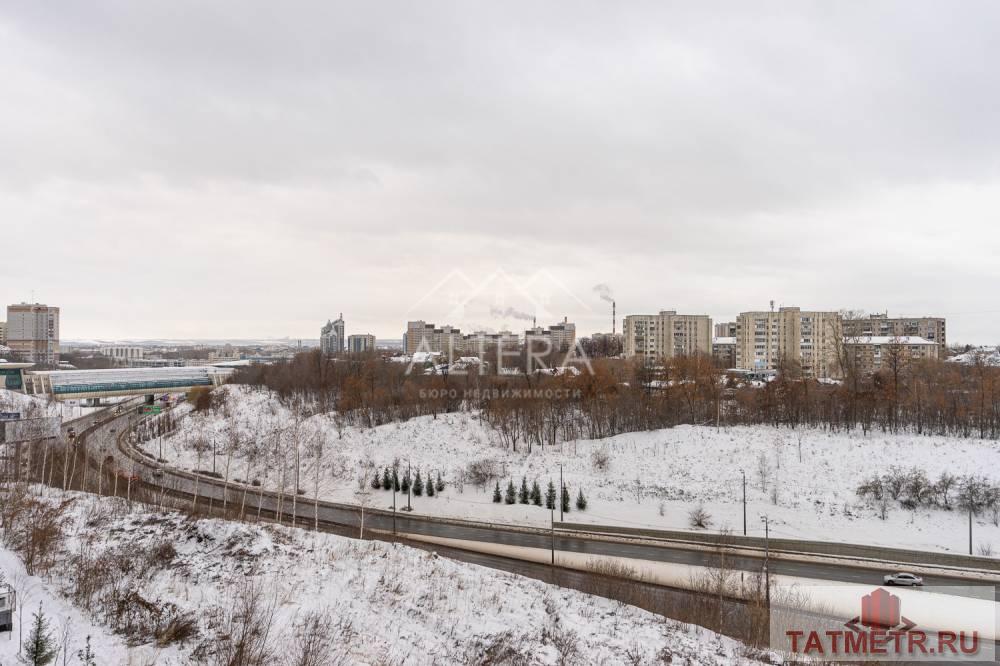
<point x="250" y="169"/>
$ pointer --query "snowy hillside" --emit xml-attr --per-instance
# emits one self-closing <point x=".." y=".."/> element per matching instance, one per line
<point x="804" y="480"/>
<point x="31" y="406"/>
<point x="988" y="355"/>
<point x="187" y="584"/>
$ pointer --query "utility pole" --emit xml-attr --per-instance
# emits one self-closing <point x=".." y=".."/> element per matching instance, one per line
<point x="552" y="525"/>
<point x="409" y="487"/>
<point x="970" y="528"/>
<point x="767" y="569"/>
<point x="743" y="472"/>
<point x="562" y="499"/>
<point x="394" y="505"/>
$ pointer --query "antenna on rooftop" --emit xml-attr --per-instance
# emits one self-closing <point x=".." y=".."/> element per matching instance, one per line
<point x="772" y="305"/>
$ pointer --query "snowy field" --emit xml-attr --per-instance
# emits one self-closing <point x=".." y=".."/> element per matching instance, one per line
<point x="372" y="602"/>
<point x="653" y="479"/>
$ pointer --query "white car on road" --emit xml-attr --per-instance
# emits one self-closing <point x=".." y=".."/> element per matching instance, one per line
<point x="902" y="579"/>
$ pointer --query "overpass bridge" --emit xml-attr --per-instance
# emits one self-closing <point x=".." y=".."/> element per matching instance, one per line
<point x="91" y="384"/>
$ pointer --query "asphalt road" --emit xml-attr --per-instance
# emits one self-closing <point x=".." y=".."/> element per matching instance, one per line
<point x="102" y="443"/>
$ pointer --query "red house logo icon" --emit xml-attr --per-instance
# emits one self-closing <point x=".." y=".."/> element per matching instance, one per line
<point x="880" y="609"/>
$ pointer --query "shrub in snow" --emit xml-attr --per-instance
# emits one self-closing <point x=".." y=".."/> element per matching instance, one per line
<point x="581" y="501"/>
<point x="386" y="479"/>
<point x="523" y="495"/>
<point x="430" y="487"/>
<point x="404" y="485"/>
<point x="376" y="483"/>
<point x="418" y="485"/>
<point x="536" y="493"/>
<point x="600" y="459"/>
<point x="699" y="517"/>
<point x="565" y="499"/>
<point x="440" y="483"/>
<point x="481" y="472"/>
<point x="550" y="496"/>
<point x="496" y="494"/>
<point x="511" y="495"/>
<point x="40" y="648"/>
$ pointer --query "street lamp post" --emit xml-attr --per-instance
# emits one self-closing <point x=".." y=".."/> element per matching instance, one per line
<point x="409" y="487"/>
<point x="743" y="472"/>
<point x="767" y="554"/>
<point x="562" y="492"/>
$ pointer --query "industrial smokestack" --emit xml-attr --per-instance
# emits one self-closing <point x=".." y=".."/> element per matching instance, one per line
<point x="614" y="318"/>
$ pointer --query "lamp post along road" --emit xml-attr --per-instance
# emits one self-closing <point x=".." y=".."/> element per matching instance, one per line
<point x="744" y="501"/>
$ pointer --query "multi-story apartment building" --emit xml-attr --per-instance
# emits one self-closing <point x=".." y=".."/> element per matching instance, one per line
<point x="360" y="342"/>
<point x="725" y="329"/>
<point x="423" y="337"/>
<point x="667" y="335"/>
<point x="33" y="332"/>
<point x="122" y="354"/>
<point x="3" y="333"/>
<point x="331" y="336"/>
<point x="481" y="342"/>
<point x="724" y="350"/>
<point x="880" y="325"/>
<point x="561" y="337"/>
<point x="874" y="352"/>
<point x="767" y="340"/>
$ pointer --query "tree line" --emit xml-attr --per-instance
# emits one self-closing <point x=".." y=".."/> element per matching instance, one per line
<point x="612" y="396"/>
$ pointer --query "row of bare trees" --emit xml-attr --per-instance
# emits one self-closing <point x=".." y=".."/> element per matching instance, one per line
<point x="611" y="396"/>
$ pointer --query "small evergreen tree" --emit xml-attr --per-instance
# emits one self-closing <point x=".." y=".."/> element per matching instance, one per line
<point x="430" y="486"/>
<point x="386" y="480"/>
<point x="86" y="655"/>
<point x="550" y="496"/>
<point x="376" y="480"/>
<point x="536" y="493"/>
<point x="418" y="485"/>
<point x="581" y="501"/>
<point x="395" y="480"/>
<point x="511" y="493"/>
<point x="40" y="648"/>
<point x="405" y="484"/>
<point x="565" y="499"/>
<point x="522" y="494"/>
<point x="440" y="483"/>
<point x="496" y="494"/>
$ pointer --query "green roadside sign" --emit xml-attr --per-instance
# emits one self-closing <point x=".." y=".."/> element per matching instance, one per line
<point x="151" y="409"/>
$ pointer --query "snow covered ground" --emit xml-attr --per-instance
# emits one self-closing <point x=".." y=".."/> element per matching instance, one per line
<point x="988" y="355"/>
<point x="32" y="406"/>
<point x="651" y="479"/>
<point x="373" y="602"/>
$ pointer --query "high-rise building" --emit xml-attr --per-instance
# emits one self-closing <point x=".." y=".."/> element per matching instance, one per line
<point x="33" y="332"/>
<point x="360" y="342"/>
<point x="725" y="329"/>
<point x="481" y="342"/>
<point x="331" y="336"/>
<point x="767" y="340"/>
<point x="423" y="337"/>
<point x="561" y="337"/>
<point x="3" y="333"/>
<point x="667" y="335"/>
<point x="880" y="325"/>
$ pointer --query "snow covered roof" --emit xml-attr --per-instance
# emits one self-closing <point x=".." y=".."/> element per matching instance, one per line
<point x="890" y="340"/>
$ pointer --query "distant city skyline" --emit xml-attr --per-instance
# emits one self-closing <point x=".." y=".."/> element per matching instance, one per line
<point x="260" y="174"/>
